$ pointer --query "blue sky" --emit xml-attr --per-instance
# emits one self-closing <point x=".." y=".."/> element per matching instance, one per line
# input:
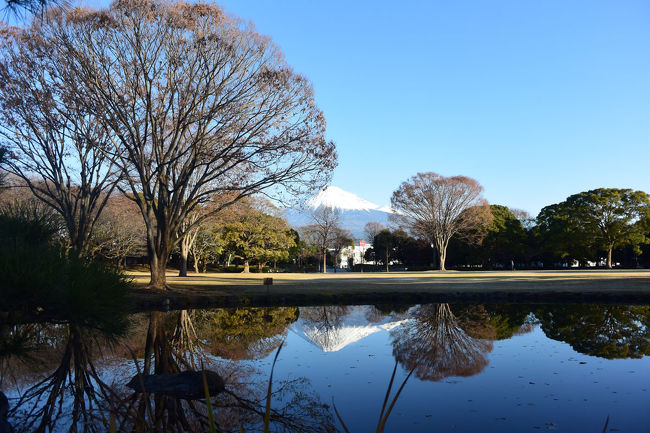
<point x="536" y="100"/>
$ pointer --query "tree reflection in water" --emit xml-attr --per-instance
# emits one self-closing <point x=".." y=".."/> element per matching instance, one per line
<point x="606" y="331"/>
<point x="244" y="333"/>
<point x="70" y="393"/>
<point x="71" y="388"/>
<point x="324" y="317"/>
<point x="436" y="343"/>
<point x="296" y="407"/>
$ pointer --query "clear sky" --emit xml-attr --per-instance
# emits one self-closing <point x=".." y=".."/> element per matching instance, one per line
<point x="536" y="100"/>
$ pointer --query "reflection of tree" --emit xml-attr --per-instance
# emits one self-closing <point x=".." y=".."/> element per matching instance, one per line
<point x="377" y="313"/>
<point x="72" y="393"/>
<point x="607" y="331"/>
<point x="323" y="318"/>
<point x="436" y="343"/>
<point x="296" y="408"/>
<point x="508" y="319"/>
<point x="244" y="333"/>
<point x="40" y="407"/>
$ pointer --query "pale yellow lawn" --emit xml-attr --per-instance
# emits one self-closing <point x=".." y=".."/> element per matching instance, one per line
<point x="430" y="281"/>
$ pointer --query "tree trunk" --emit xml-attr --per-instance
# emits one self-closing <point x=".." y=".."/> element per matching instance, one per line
<point x="157" y="266"/>
<point x="324" y="261"/>
<point x="182" y="272"/>
<point x="158" y="257"/>
<point x="609" y="256"/>
<point x="387" y="261"/>
<point x="196" y="264"/>
<point x="246" y="267"/>
<point x="186" y="245"/>
<point x="442" y="254"/>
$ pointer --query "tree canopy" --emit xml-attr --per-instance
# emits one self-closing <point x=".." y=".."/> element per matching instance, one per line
<point x="436" y="208"/>
<point x="599" y="219"/>
<point x="193" y="103"/>
<point x="259" y="238"/>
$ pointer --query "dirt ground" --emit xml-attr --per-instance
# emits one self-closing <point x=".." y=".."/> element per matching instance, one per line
<point x="292" y="289"/>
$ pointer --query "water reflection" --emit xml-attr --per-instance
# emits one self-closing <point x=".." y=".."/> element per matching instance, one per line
<point x="333" y="328"/>
<point x="437" y="343"/>
<point x="62" y="374"/>
<point x="606" y="331"/>
<point x="244" y="333"/>
<point x="54" y="364"/>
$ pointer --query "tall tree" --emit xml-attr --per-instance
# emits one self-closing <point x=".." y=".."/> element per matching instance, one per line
<point x="505" y="239"/>
<point x="197" y="103"/>
<point x="436" y="208"/>
<point x="54" y="143"/>
<point x="322" y="231"/>
<point x="604" y="218"/>
<point x="385" y="246"/>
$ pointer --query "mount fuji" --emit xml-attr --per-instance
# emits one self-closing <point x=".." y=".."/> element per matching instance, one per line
<point x="356" y="212"/>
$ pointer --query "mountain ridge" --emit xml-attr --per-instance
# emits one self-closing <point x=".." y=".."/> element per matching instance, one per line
<point x="356" y="212"/>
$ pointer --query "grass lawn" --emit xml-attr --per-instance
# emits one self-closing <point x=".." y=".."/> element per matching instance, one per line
<point x="290" y="288"/>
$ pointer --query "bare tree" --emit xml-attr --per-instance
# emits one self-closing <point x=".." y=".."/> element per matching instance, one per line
<point x="54" y="143"/>
<point x="119" y="232"/>
<point x="436" y="208"/>
<point x="323" y="229"/>
<point x="372" y="229"/>
<point x="198" y="104"/>
<point x="526" y="219"/>
<point x="207" y="246"/>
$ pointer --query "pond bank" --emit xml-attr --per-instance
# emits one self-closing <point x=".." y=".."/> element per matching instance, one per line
<point x="233" y="290"/>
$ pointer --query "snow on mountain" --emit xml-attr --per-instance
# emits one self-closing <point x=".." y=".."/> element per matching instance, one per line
<point x="386" y="209"/>
<point x="356" y="212"/>
<point x="333" y="196"/>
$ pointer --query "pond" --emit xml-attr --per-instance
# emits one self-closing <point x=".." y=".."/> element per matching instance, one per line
<point x="420" y="368"/>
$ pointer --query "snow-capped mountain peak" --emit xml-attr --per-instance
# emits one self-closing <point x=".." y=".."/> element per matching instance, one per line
<point x="386" y="209"/>
<point x="333" y="196"/>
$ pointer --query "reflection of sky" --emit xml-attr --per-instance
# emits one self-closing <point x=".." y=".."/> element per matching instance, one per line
<point x="564" y="396"/>
<point x="532" y="383"/>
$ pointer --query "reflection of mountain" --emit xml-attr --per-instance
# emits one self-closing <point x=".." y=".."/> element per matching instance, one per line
<point x="333" y="328"/>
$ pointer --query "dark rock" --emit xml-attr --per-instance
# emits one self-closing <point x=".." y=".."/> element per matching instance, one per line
<point x="187" y="385"/>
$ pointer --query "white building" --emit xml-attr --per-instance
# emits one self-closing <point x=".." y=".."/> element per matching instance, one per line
<point x="356" y="252"/>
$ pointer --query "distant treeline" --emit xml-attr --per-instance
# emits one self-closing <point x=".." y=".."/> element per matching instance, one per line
<point x="583" y="231"/>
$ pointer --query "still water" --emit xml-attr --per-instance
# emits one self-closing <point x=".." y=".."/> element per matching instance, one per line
<point x="446" y="367"/>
